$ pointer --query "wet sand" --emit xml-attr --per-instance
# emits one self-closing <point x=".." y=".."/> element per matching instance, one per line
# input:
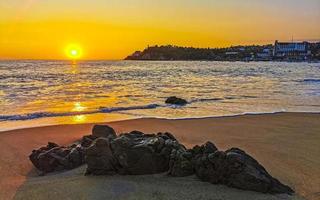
<point x="287" y="144"/>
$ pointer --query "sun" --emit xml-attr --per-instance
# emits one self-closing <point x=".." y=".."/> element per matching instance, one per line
<point x="73" y="51"/>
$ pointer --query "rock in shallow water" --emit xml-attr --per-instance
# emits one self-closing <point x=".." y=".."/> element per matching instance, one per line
<point x="176" y="101"/>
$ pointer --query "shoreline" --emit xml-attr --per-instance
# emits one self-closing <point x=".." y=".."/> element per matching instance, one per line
<point x="157" y="118"/>
<point x="285" y="143"/>
<point x="231" y="61"/>
<point x="121" y="60"/>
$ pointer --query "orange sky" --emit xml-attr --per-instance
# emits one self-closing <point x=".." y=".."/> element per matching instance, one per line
<point x="112" y="29"/>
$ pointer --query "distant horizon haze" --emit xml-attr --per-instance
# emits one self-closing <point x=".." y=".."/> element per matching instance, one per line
<point x="111" y="30"/>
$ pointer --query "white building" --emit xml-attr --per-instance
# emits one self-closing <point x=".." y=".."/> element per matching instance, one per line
<point x="296" y="50"/>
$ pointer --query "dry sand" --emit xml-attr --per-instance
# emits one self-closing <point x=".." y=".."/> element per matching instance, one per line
<point x="287" y="144"/>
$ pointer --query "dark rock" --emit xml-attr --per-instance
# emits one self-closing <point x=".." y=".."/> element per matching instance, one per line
<point x="237" y="169"/>
<point x="136" y="133"/>
<point x="55" y="158"/>
<point x="104" y="131"/>
<point x="182" y="160"/>
<point x="87" y="140"/>
<point x="176" y="101"/>
<point x="76" y="156"/>
<point x="51" y="145"/>
<point x="180" y="163"/>
<point x="42" y="162"/>
<point x="206" y="148"/>
<point x="143" y="153"/>
<point x="167" y="135"/>
<point x="99" y="158"/>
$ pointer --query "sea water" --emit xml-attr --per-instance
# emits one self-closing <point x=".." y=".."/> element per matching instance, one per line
<point x="36" y="93"/>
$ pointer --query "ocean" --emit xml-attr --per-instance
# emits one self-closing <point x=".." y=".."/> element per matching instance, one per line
<point x="38" y="93"/>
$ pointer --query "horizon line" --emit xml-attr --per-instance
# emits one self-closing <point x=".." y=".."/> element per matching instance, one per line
<point x="120" y="59"/>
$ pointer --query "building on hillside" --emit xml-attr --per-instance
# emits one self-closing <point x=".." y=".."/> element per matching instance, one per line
<point x="231" y="53"/>
<point x="264" y="55"/>
<point x="291" y="50"/>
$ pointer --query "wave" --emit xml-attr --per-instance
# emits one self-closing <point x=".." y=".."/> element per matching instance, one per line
<point x="207" y="99"/>
<point x="37" y="115"/>
<point x="311" y="80"/>
<point x="223" y="98"/>
<point x="115" y="109"/>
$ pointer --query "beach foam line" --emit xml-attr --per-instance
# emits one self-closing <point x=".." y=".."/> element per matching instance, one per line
<point x="230" y="115"/>
<point x="206" y="99"/>
<point x="310" y="80"/>
<point x="37" y="115"/>
<point x="222" y="99"/>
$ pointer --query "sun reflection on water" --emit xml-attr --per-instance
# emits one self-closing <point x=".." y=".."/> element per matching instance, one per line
<point x="78" y="107"/>
<point x="73" y="68"/>
<point x="79" y="118"/>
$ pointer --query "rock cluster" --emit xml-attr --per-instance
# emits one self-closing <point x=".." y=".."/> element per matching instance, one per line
<point x="136" y="153"/>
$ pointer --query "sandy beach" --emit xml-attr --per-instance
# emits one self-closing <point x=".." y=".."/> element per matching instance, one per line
<point x="287" y="144"/>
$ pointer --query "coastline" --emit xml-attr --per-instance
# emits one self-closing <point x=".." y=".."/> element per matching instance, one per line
<point x="285" y="143"/>
<point x="141" y="118"/>
<point x="224" y="61"/>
